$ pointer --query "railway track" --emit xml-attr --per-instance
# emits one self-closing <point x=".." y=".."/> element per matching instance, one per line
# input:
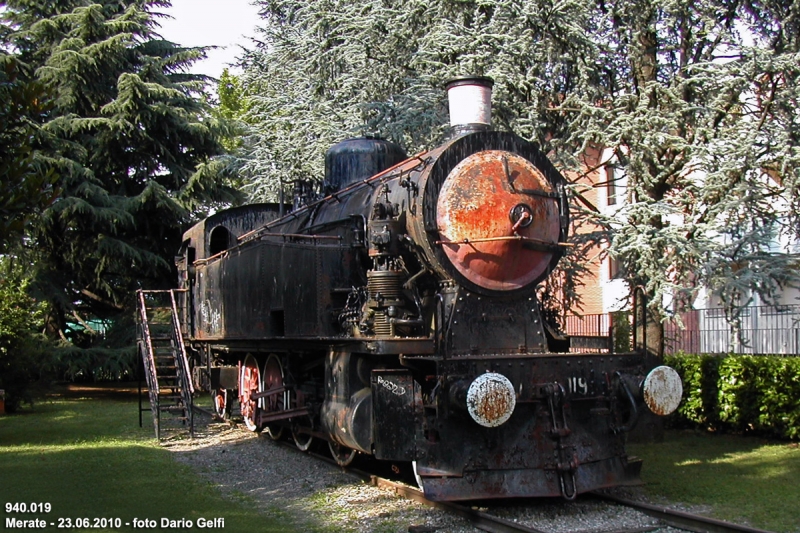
<point x="494" y="524"/>
<point x="486" y="521"/>
<point x="683" y="520"/>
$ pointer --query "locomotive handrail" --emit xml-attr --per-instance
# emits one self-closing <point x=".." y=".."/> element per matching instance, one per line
<point x="163" y="291"/>
<point x="337" y="194"/>
<point x="554" y="245"/>
<point x="302" y="236"/>
<point x="205" y="260"/>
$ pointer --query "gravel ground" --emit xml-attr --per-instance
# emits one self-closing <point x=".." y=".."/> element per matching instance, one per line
<point x="316" y="496"/>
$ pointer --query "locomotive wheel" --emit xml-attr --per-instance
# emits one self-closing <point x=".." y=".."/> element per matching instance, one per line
<point x="249" y="382"/>
<point x="220" y="401"/>
<point x="273" y="378"/>
<point x="303" y="441"/>
<point x="341" y="454"/>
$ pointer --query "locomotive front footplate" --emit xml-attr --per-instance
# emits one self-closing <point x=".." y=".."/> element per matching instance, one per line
<point x="491" y="427"/>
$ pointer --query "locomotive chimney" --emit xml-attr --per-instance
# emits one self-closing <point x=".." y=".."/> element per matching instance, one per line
<point x="470" y="101"/>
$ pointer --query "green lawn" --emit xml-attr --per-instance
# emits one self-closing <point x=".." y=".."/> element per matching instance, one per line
<point x="735" y="478"/>
<point x="88" y="458"/>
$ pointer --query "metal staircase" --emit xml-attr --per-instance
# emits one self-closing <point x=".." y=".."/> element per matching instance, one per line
<point x="166" y="367"/>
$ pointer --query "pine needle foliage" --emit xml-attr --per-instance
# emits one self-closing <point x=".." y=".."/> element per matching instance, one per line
<point x="26" y="187"/>
<point x="697" y="99"/>
<point x="132" y="141"/>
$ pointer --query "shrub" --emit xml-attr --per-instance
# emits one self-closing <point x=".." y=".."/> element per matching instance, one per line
<point x="24" y="353"/>
<point x="740" y="393"/>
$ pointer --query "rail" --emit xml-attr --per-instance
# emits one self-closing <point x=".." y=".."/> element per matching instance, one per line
<point x="494" y="524"/>
<point x="680" y="519"/>
<point x="479" y="519"/>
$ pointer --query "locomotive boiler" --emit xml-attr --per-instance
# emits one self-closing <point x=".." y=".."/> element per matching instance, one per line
<point x="397" y="317"/>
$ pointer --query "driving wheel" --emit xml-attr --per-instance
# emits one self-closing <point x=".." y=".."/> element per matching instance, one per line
<point x="220" y="402"/>
<point x="341" y="454"/>
<point x="249" y="384"/>
<point x="303" y="441"/>
<point x="273" y="379"/>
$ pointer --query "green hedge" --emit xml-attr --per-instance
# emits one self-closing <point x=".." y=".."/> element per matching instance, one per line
<point x="740" y="393"/>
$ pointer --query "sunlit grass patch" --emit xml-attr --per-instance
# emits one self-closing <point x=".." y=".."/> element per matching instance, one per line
<point x="741" y="479"/>
<point x="89" y="459"/>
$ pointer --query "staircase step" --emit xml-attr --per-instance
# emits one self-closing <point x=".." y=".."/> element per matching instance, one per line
<point x="171" y="408"/>
<point x="164" y="331"/>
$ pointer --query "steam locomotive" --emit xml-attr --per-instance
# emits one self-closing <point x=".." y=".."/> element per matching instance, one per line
<point x="398" y="317"/>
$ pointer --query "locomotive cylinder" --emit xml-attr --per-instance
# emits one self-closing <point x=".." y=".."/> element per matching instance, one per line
<point x="346" y="413"/>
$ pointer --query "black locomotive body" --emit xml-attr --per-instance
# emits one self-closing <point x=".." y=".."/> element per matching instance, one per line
<point x="398" y="317"/>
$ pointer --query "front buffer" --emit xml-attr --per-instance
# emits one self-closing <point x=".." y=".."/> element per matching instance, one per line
<point x="517" y="426"/>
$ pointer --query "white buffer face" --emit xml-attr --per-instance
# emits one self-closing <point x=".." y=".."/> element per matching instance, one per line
<point x="662" y="390"/>
<point x="491" y="399"/>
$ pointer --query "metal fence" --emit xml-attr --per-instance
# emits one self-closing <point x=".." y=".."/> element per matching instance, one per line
<point x="759" y="330"/>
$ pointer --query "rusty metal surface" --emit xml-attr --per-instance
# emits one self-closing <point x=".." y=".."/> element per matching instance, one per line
<point x="249" y="383"/>
<point x="380" y="326"/>
<point x="662" y="390"/>
<point x="491" y="195"/>
<point x="236" y="221"/>
<point x="398" y="410"/>
<point x="491" y="399"/>
<point x="559" y="440"/>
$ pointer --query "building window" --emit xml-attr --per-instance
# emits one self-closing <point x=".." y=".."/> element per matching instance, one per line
<point x="611" y="185"/>
<point x="613" y="268"/>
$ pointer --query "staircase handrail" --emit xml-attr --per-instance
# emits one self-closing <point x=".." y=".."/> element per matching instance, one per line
<point x="182" y="359"/>
<point x="150" y="363"/>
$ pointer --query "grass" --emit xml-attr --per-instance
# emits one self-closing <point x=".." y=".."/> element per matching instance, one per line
<point x="739" y="479"/>
<point x="88" y="458"/>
